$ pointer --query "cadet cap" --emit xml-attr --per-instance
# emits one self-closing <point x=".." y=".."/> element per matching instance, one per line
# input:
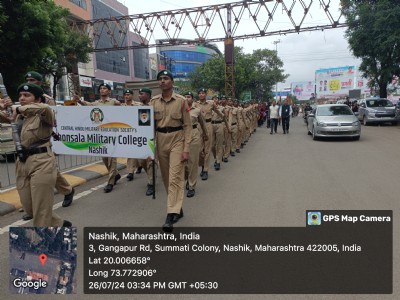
<point x="34" y="75"/>
<point x="128" y="91"/>
<point x="189" y="94"/>
<point x="166" y="73"/>
<point x="145" y="90"/>
<point x="36" y="90"/>
<point x="106" y="85"/>
<point x="202" y="90"/>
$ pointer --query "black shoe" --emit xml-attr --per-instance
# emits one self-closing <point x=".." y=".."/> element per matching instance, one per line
<point x="150" y="190"/>
<point x="190" y="193"/>
<point x="217" y="167"/>
<point x="177" y="217"/>
<point x="270" y="133"/>
<point x="169" y="224"/>
<point x="27" y="217"/>
<point x="233" y="154"/>
<point x="67" y="224"/>
<point x="204" y="176"/>
<point x="108" y="188"/>
<point x="68" y="198"/>
<point x="117" y="177"/>
<point x="241" y="146"/>
<point x="225" y="160"/>
<point x="237" y="150"/>
<point x="287" y="131"/>
<point x="276" y="132"/>
<point x="187" y="184"/>
<point x="130" y="177"/>
<point x="139" y="170"/>
<point x="215" y="164"/>
<point x="284" y="132"/>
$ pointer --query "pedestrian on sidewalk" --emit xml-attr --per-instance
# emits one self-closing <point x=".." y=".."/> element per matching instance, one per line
<point x="285" y="111"/>
<point x="274" y="116"/>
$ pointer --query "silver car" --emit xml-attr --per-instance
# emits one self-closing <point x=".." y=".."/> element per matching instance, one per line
<point x="333" y="120"/>
<point x="377" y="110"/>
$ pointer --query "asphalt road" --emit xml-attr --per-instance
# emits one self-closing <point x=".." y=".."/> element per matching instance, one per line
<point x="271" y="183"/>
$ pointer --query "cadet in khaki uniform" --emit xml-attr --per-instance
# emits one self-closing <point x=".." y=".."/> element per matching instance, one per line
<point x="36" y="169"/>
<point x="195" y="144"/>
<point x="218" y="133"/>
<point x="234" y="126"/>
<point x="147" y="164"/>
<point x="109" y="162"/>
<point x="227" y="133"/>
<point x="62" y="185"/>
<point x="173" y="134"/>
<point x="131" y="163"/>
<point x="206" y="108"/>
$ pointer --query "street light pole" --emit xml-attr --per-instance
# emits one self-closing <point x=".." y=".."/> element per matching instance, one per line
<point x="276" y="49"/>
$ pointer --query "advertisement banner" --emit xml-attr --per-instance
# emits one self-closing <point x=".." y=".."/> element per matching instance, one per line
<point x="303" y="90"/>
<point x="112" y="131"/>
<point x="335" y="82"/>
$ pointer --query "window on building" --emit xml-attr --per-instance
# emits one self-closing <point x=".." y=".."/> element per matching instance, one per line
<point x="80" y="3"/>
<point x="141" y="62"/>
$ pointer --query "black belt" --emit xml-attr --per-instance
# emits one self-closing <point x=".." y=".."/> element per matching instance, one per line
<point x="216" y="122"/>
<point x="194" y="126"/>
<point x="37" y="150"/>
<point x="208" y="120"/>
<point x="234" y="124"/>
<point x="169" y="129"/>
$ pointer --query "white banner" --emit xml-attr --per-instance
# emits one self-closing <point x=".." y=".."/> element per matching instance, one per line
<point x="303" y="90"/>
<point x="113" y="131"/>
<point x="335" y="82"/>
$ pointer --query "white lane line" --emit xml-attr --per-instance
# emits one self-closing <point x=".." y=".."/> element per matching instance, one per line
<point x="55" y="206"/>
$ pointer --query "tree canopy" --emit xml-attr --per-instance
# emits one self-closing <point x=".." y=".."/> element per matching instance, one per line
<point x="34" y="34"/>
<point x="374" y="36"/>
<point x="256" y="73"/>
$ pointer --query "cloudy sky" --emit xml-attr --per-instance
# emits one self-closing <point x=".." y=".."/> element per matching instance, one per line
<point x="301" y="53"/>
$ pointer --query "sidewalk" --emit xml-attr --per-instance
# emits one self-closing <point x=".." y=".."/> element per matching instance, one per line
<point x="9" y="199"/>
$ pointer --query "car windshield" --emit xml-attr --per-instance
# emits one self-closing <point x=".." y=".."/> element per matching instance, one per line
<point x="334" y="111"/>
<point x="379" y="103"/>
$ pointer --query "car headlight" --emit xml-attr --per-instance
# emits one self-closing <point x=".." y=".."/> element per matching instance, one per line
<point x="321" y="124"/>
<point x="356" y="123"/>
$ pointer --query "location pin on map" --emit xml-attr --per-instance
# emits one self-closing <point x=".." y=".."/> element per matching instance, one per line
<point x="43" y="258"/>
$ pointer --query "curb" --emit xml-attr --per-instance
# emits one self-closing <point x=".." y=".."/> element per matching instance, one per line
<point x="9" y="200"/>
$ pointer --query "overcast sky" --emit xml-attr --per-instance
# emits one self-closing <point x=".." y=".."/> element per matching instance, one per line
<point x="301" y="53"/>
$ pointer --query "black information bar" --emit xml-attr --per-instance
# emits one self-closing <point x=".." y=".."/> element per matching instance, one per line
<point x="337" y="252"/>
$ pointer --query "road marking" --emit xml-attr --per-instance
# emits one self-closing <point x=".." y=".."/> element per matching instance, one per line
<point x="55" y="206"/>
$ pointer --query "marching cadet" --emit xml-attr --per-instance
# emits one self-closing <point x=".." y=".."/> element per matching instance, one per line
<point x="206" y="108"/>
<point x="173" y="134"/>
<point x="195" y="145"/>
<point x="62" y="185"/>
<point x="147" y="164"/>
<point x="218" y="133"/>
<point x="109" y="162"/>
<point x="227" y="135"/>
<point x="36" y="169"/>
<point x="234" y="126"/>
<point x="131" y="163"/>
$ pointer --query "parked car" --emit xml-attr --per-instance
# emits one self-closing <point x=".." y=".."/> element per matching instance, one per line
<point x="377" y="110"/>
<point x="333" y="120"/>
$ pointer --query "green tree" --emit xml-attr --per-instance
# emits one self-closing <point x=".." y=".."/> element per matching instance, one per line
<point x="374" y="36"/>
<point x="256" y="72"/>
<point x="64" y="56"/>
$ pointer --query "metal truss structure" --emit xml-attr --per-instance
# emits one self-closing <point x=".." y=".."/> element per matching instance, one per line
<point x="213" y="23"/>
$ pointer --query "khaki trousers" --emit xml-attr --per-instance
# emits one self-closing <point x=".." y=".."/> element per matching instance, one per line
<point x="35" y="180"/>
<point x="234" y="136"/>
<point x="218" y="140"/>
<point x="207" y="146"/>
<point x="111" y="165"/>
<point x="192" y="166"/>
<point x="147" y="165"/>
<point x="169" y="152"/>
<point x="131" y="164"/>
<point x="62" y="185"/>
<point x="227" y="143"/>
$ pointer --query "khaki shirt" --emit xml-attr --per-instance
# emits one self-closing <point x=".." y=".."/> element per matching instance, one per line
<point x="37" y="127"/>
<point x="173" y="113"/>
<point x="197" y="119"/>
<point x="207" y="107"/>
<point x="134" y="103"/>
<point x="234" y="112"/>
<point x="107" y="102"/>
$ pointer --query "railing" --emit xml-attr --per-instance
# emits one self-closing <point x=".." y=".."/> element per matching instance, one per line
<point x="65" y="162"/>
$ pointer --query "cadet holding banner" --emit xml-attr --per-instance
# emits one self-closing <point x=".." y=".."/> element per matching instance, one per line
<point x="36" y="170"/>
